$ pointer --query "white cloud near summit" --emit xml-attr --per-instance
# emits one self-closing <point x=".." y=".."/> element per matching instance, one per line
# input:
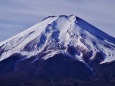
<point x="18" y="15"/>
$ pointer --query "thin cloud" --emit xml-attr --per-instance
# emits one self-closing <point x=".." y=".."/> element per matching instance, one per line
<point x="18" y="15"/>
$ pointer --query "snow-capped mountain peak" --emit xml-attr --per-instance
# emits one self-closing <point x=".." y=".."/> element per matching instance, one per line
<point x="66" y="34"/>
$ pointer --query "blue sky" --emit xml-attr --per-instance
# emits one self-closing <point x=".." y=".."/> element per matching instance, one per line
<point x="19" y="15"/>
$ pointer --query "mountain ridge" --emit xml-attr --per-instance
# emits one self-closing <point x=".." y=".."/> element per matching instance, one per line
<point x="59" y="48"/>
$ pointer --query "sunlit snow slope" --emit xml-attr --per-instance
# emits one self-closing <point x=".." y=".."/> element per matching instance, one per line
<point x="61" y="34"/>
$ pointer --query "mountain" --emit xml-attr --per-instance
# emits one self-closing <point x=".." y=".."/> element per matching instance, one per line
<point x="59" y="48"/>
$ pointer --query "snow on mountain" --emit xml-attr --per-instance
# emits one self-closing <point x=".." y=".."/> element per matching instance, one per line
<point x="61" y="34"/>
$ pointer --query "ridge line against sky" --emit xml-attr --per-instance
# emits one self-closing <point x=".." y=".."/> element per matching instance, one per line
<point x="19" y="15"/>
